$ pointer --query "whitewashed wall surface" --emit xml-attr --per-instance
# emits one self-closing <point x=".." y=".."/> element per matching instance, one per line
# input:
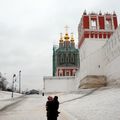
<point x="59" y="84"/>
<point x="100" y="58"/>
<point x="112" y="58"/>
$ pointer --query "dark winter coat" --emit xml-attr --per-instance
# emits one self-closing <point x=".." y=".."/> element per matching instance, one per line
<point x="52" y="109"/>
<point x="49" y="108"/>
<point x="56" y="106"/>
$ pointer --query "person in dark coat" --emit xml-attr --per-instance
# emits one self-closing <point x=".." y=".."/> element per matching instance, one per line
<point x="52" y="106"/>
<point x="49" y="108"/>
<point x="55" y="107"/>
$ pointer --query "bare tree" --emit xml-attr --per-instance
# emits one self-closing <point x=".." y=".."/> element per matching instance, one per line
<point x="3" y="82"/>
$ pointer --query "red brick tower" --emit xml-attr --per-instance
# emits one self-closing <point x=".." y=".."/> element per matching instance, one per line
<point x="95" y="25"/>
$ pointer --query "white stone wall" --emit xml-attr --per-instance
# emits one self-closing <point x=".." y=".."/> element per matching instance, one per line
<point x="101" y="58"/>
<point x="89" y="46"/>
<point x="112" y="57"/>
<point x="91" y="58"/>
<point x="59" y="84"/>
<point x="92" y="65"/>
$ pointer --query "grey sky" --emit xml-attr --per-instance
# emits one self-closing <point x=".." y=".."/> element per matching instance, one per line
<point x="29" y="28"/>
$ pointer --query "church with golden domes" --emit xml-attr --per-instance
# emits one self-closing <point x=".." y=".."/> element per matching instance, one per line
<point x="65" y="57"/>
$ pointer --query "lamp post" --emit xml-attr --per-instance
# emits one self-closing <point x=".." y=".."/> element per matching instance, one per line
<point x="13" y="84"/>
<point x="20" y="81"/>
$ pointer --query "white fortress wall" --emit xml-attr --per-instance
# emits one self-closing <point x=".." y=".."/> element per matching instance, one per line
<point x="59" y="84"/>
<point x="95" y="64"/>
<point x="91" y="59"/>
<point x="91" y="56"/>
<point x="90" y="45"/>
<point x="112" y="57"/>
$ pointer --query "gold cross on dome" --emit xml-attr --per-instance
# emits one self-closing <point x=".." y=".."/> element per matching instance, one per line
<point x="66" y="28"/>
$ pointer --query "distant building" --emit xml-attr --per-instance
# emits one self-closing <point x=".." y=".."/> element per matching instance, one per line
<point x="65" y="57"/>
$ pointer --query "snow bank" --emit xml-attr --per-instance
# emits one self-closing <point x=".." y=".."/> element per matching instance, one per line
<point x="100" y="105"/>
<point x="7" y="95"/>
<point x="5" y="98"/>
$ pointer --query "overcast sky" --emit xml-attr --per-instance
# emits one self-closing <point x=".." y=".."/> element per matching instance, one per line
<point x="30" y="28"/>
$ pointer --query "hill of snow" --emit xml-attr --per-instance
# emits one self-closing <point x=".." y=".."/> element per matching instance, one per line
<point x="103" y="104"/>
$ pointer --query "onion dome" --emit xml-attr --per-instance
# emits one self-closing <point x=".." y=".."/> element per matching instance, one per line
<point x="61" y="38"/>
<point x="66" y="37"/>
<point x="72" y="38"/>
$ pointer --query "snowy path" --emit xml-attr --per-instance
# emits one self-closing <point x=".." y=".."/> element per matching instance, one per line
<point x="103" y="104"/>
<point x="31" y="108"/>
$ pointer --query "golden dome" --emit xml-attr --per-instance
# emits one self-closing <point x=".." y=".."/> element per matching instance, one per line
<point x="61" y="38"/>
<point x="72" y="38"/>
<point x="66" y="37"/>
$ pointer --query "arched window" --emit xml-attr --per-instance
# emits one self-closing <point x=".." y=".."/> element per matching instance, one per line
<point x="67" y="58"/>
<point x="67" y="73"/>
<point x="62" y="58"/>
<point x="60" y="72"/>
<point x="108" y="24"/>
<point x="72" y="58"/>
<point x="93" y="24"/>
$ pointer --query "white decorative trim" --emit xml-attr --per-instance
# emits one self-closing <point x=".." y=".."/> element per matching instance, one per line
<point x="98" y="27"/>
<point x="89" y="22"/>
<point x="98" y="30"/>
<point x="66" y="68"/>
<point x="73" y="72"/>
<point x="113" y="27"/>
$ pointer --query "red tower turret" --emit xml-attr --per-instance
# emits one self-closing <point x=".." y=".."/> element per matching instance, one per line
<point x="95" y="25"/>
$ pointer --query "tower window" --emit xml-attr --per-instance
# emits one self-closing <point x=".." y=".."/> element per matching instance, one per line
<point x="72" y="58"/>
<point x="67" y="58"/>
<point x="60" y="73"/>
<point x="93" y="24"/>
<point x="67" y="73"/>
<point x="108" y="24"/>
<point x="62" y="58"/>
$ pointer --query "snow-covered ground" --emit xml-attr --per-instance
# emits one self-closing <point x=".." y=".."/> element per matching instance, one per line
<point x="6" y="99"/>
<point x="7" y="95"/>
<point x="102" y="104"/>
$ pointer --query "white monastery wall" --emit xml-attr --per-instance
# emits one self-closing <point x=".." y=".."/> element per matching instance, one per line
<point x="59" y="84"/>
<point x="89" y="46"/>
<point x="95" y="63"/>
<point x="104" y="59"/>
<point x="92" y="65"/>
<point x="112" y="57"/>
<point x="91" y="58"/>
